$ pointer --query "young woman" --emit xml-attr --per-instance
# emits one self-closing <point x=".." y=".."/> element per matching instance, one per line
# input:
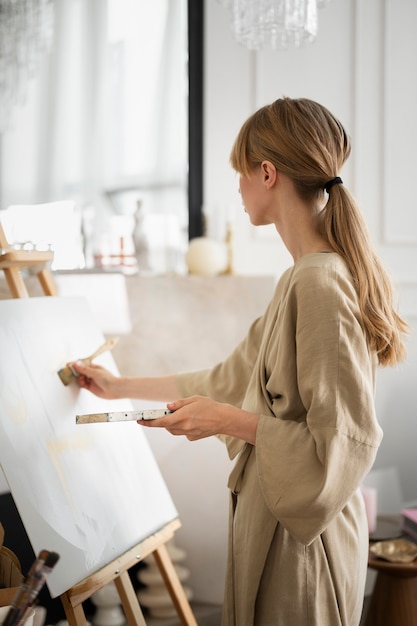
<point x="295" y="400"/>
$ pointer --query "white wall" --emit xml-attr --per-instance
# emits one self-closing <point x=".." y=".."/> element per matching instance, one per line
<point x="360" y="67"/>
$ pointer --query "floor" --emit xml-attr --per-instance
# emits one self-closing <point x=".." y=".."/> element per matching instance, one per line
<point x="205" y="615"/>
<point x="210" y="615"/>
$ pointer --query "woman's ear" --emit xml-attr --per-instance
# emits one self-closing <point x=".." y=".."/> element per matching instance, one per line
<point x="269" y="174"/>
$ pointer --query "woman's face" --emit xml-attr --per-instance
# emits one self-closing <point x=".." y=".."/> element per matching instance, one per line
<point x="255" y="197"/>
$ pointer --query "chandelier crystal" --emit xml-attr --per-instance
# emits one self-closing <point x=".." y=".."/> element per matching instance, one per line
<point x="26" y="32"/>
<point x="273" y="24"/>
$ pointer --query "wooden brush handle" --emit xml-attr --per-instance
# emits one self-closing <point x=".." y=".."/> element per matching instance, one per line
<point x="107" y="345"/>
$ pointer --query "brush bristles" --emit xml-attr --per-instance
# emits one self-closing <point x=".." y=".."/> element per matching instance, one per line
<point x="51" y="559"/>
<point x="67" y="374"/>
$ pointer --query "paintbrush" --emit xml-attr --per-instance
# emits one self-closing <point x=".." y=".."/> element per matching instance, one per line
<point x="68" y="373"/>
<point x="29" y="590"/>
<point x="121" y="416"/>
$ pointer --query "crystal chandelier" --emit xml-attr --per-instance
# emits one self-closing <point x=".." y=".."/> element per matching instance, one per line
<point x="26" y="30"/>
<point x="273" y="24"/>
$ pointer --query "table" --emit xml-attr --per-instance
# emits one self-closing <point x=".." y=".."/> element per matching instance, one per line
<point x="394" y="598"/>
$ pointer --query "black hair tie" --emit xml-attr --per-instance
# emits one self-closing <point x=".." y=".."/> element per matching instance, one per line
<point x="333" y="181"/>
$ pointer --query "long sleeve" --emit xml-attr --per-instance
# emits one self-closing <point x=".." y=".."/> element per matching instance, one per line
<point x="305" y="368"/>
<point x="311" y="459"/>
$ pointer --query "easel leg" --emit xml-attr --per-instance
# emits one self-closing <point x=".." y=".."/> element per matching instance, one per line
<point x="47" y="282"/>
<point x="130" y="604"/>
<point x="129" y="600"/>
<point x="16" y="283"/>
<point x="75" y="614"/>
<point x="174" y="586"/>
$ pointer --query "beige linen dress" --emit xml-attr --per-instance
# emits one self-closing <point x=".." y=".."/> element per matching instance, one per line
<point x="298" y="538"/>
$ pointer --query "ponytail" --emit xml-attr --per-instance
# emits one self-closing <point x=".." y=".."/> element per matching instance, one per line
<point x="347" y="233"/>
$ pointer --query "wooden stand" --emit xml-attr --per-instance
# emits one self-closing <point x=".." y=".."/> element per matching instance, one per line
<point x="13" y="261"/>
<point x="394" y="598"/>
<point x="117" y="571"/>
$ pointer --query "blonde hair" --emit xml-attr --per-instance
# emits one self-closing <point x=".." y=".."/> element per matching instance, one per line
<point x="307" y="143"/>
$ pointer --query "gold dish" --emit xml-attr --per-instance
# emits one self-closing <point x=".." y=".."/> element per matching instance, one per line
<point x="396" y="550"/>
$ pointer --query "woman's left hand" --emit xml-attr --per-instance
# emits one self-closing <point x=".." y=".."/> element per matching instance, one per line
<point x="196" y="417"/>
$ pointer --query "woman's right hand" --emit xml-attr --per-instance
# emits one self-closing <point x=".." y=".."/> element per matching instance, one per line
<point x="96" y="379"/>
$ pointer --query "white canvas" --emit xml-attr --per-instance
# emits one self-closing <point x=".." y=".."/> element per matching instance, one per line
<point x="89" y="492"/>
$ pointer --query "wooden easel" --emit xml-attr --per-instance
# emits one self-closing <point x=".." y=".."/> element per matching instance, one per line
<point x="12" y="262"/>
<point x="117" y="571"/>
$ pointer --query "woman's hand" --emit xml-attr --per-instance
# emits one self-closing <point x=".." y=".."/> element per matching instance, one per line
<point x="97" y="379"/>
<point x="198" y="417"/>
